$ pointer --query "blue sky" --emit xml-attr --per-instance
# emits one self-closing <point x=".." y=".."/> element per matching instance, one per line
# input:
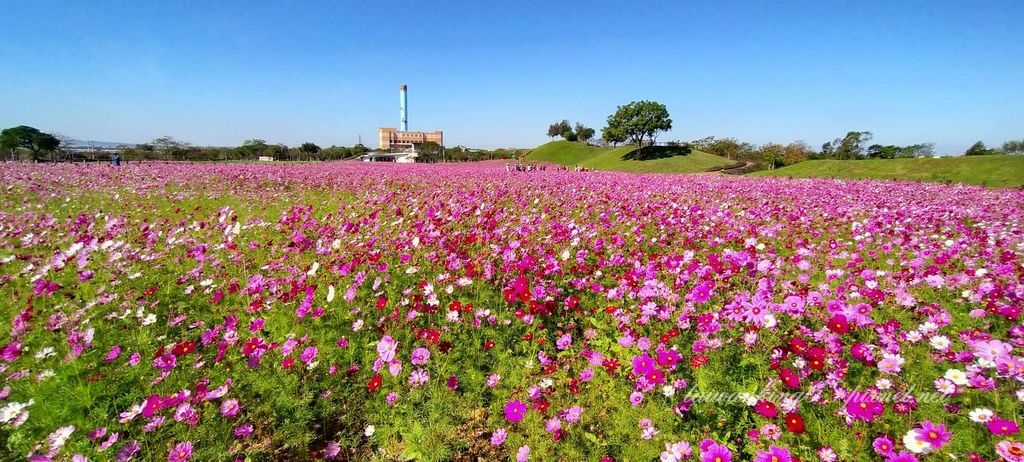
<point x="495" y="74"/>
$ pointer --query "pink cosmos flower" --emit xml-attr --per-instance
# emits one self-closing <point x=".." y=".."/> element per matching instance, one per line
<point x="515" y="411"/>
<point x="773" y="454"/>
<point x="643" y="364"/>
<point x="563" y="342"/>
<point x="420" y="356"/>
<point x="864" y="408"/>
<point x="903" y="456"/>
<point x="386" y="348"/>
<point x="714" y="452"/>
<point x="523" y="454"/>
<point x="1010" y="451"/>
<point x="180" y="452"/>
<point x="243" y="431"/>
<point x="308" y="355"/>
<point x="498" y="437"/>
<point x="1003" y="427"/>
<point x="883" y="446"/>
<point x="935" y="435"/>
<point x="229" y="408"/>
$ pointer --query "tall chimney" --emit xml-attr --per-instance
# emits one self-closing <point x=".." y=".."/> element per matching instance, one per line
<point x="403" y="99"/>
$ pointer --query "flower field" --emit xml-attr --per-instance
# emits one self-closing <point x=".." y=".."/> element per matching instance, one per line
<point x="345" y="311"/>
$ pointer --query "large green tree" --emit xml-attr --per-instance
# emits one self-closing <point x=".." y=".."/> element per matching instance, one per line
<point x="849" y="147"/>
<point x="30" y="138"/>
<point x="309" y="149"/>
<point x="558" y="128"/>
<point x="979" y="149"/>
<point x="584" y="133"/>
<point x="640" y="120"/>
<point x="1014" y="147"/>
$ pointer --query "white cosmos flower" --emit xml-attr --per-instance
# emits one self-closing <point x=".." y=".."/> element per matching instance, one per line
<point x="44" y="353"/>
<point x="982" y="415"/>
<point x="956" y="376"/>
<point x="939" y="342"/>
<point x="313" y="268"/>
<point x="370" y="430"/>
<point x="330" y="293"/>
<point x="914" y="445"/>
<point x="748" y="399"/>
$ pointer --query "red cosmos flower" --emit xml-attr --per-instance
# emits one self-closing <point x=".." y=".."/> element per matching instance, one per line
<point x="815" y="356"/>
<point x="528" y="336"/>
<point x="375" y="383"/>
<point x="444" y="347"/>
<point x="488" y="344"/>
<point x="509" y="295"/>
<point x="183" y="348"/>
<point x="550" y="369"/>
<point x="797" y="345"/>
<point x="839" y="324"/>
<point x="288" y="363"/>
<point x="610" y="365"/>
<point x="789" y="378"/>
<point x="656" y="377"/>
<point x="795" y="423"/>
<point x="541" y="405"/>
<point x="382" y="302"/>
<point x="766" y="408"/>
<point x="696" y="361"/>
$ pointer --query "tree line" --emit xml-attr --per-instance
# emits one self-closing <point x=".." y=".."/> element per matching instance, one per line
<point x="28" y="143"/>
<point x="640" y="123"/>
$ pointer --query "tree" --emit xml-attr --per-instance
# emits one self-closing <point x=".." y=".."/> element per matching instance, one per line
<point x="979" y="149"/>
<point x="641" y="120"/>
<point x="30" y="138"/>
<point x="851" y="146"/>
<point x="795" y="152"/>
<point x="772" y="154"/>
<point x="729" y="148"/>
<point x="428" y="152"/>
<point x="569" y="135"/>
<point x="169" y="148"/>
<point x="613" y="135"/>
<point x="309" y="149"/>
<point x="584" y="133"/>
<point x="558" y="128"/>
<point x="1014" y="147"/>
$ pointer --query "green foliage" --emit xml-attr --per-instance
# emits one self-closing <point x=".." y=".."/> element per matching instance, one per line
<point x="979" y="149"/>
<point x="583" y="133"/>
<point x="1014" y="147"/>
<point x="558" y="128"/>
<point x="640" y="120"/>
<point x="625" y="158"/>
<point x="30" y="138"/>
<point x="993" y="171"/>
<point x="849" y="147"/>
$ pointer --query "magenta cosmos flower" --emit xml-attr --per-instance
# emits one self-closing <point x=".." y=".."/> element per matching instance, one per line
<point x="774" y="454"/>
<point x="180" y="452"/>
<point x="935" y="435"/>
<point x="864" y="408"/>
<point x="1003" y="427"/>
<point x="515" y="411"/>
<point x="711" y="451"/>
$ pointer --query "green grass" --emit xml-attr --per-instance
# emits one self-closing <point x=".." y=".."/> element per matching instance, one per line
<point x="993" y="171"/>
<point x="626" y="158"/>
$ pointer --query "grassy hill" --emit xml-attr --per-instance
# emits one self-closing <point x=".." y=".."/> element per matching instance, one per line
<point x="653" y="159"/>
<point x="994" y="171"/>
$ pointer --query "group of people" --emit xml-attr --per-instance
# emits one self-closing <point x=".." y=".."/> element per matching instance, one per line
<point x="521" y="167"/>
